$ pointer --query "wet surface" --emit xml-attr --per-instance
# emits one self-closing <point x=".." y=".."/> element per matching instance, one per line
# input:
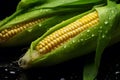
<point x="70" y="70"/>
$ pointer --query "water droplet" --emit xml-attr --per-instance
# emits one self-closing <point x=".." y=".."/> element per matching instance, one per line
<point x="103" y="36"/>
<point x="117" y="72"/>
<point x="12" y="72"/>
<point x="93" y="35"/>
<point x="62" y="78"/>
<point x="65" y="46"/>
<point x="30" y="29"/>
<point x="6" y="69"/>
<point x="40" y="25"/>
<point x="81" y="39"/>
<point x="106" y="22"/>
<point x="73" y="41"/>
<point x="88" y="30"/>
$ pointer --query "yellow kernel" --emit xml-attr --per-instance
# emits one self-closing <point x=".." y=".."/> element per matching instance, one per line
<point x="64" y="34"/>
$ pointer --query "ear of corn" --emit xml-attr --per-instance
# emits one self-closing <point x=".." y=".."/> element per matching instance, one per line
<point x="17" y="29"/>
<point x="82" y="43"/>
<point x="23" y="33"/>
<point x="33" y="56"/>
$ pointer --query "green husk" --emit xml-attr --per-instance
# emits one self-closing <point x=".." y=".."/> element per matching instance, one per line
<point x="82" y="44"/>
<point x="106" y="38"/>
<point x="55" y="10"/>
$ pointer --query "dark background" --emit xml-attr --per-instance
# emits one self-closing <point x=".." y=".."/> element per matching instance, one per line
<point x="7" y="7"/>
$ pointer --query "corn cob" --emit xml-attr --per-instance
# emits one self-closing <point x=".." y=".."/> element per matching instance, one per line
<point x="28" y="11"/>
<point x="64" y="34"/>
<point x="12" y="31"/>
<point x="74" y="37"/>
<point x="20" y="33"/>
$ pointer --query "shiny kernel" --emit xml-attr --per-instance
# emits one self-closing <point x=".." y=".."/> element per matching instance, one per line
<point x="55" y="41"/>
<point x="3" y="32"/>
<point x="60" y="38"/>
<point x="6" y="35"/>
<point x="0" y="34"/>
<point x="15" y="30"/>
<point x="66" y="33"/>
<point x="46" y="41"/>
<point x="47" y="47"/>
<point x="12" y="32"/>
<point x="41" y="51"/>
<point x="50" y="45"/>
<point x="44" y="49"/>
<point x="42" y="43"/>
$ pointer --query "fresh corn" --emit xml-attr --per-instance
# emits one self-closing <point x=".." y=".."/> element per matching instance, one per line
<point x="59" y="37"/>
<point x="20" y="29"/>
<point x="21" y="33"/>
<point x="74" y="37"/>
<point x="8" y="33"/>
